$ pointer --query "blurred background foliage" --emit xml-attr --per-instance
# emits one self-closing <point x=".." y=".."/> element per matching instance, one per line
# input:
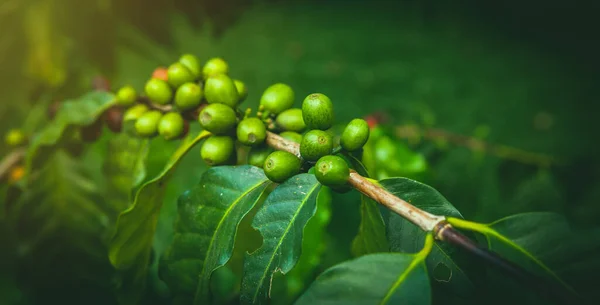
<point x="518" y="73"/>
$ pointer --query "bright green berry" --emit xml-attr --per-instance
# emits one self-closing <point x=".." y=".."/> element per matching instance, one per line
<point x="292" y="136"/>
<point x="355" y="135"/>
<point x="277" y="98"/>
<point x="135" y="112"/>
<point x="15" y="137"/>
<point x="158" y="91"/>
<point x="171" y="125"/>
<point x="217" y="150"/>
<point x="291" y="120"/>
<point x="258" y="155"/>
<point x="188" y="96"/>
<point x="281" y="165"/>
<point x="217" y="118"/>
<point x="251" y="131"/>
<point x="215" y="66"/>
<point x="178" y="74"/>
<point x="241" y="89"/>
<point x="147" y="124"/>
<point x="220" y="89"/>
<point x="126" y="96"/>
<point x="192" y="63"/>
<point x="316" y="144"/>
<point x="317" y="111"/>
<point x="332" y="171"/>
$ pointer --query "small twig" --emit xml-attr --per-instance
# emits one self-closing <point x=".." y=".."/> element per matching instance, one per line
<point x="476" y="145"/>
<point x="422" y="219"/>
<point x="12" y="159"/>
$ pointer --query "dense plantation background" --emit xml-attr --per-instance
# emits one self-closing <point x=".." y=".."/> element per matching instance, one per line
<point x="517" y="73"/>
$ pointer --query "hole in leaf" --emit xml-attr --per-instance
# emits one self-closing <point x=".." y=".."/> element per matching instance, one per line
<point x="442" y="273"/>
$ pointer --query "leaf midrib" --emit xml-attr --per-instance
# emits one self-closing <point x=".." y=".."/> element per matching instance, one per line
<point x="212" y="239"/>
<point x="279" y="243"/>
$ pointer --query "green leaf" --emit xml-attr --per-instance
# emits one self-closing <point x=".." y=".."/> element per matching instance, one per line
<point x="386" y="157"/>
<point x="124" y="168"/>
<point x="451" y="268"/>
<point x="304" y="271"/>
<point x="209" y="215"/>
<point x="281" y="222"/>
<point x="381" y="278"/>
<point x="79" y="112"/>
<point x="131" y="244"/>
<point x="371" y="236"/>
<point x="544" y="244"/>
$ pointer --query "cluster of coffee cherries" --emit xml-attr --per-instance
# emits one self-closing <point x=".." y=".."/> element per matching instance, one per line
<point x="176" y="94"/>
<point x="187" y="91"/>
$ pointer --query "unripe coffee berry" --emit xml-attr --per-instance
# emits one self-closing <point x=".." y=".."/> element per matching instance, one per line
<point x="147" y="124"/>
<point x="188" y="96"/>
<point x="281" y="165"/>
<point x="158" y="91"/>
<point x="217" y="150"/>
<point x="242" y="90"/>
<point x="15" y="137"/>
<point x="220" y="89"/>
<point x="277" y="98"/>
<point x="317" y="111"/>
<point x="192" y="63"/>
<point x="251" y="131"/>
<point x="332" y="171"/>
<point x="215" y="66"/>
<point x="292" y="136"/>
<point x="171" y="125"/>
<point x="179" y="75"/>
<point x="135" y="112"/>
<point x="316" y="144"/>
<point x="257" y="155"/>
<point x="217" y="118"/>
<point x="126" y="96"/>
<point x="355" y="135"/>
<point x="291" y="120"/>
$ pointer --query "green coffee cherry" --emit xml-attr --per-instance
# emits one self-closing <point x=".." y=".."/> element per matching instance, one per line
<point x="316" y="144"/>
<point x="277" y="98"/>
<point x="317" y="111"/>
<point x="242" y="90"/>
<point x="126" y="96"/>
<point x="188" y="96"/>
<point x="158" y="91"/>
<point x="355" y="135"/>
<point x="178" y="74"/>
<point x="258" y="155"/>
<point x="291" y="120"/>
<point x="192" y="63"/>
<point x="215" y="66"/>
<point x="251" y="131"/>
<point x="15" y="137"/>
<point x="147" y="124"/>
<point x="220" y="89"/>
<point x="171" y="125"/>
<point x="292" y="136"/>
<point x="135" y="112"/>
<point x="217" y="150"/>
<point x="281" y="165"/>
<point x="217" y="118"/>
<point x="332" y="171"/>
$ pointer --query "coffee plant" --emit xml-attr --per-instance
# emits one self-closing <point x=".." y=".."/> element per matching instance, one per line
<point x="277" y="167"/>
